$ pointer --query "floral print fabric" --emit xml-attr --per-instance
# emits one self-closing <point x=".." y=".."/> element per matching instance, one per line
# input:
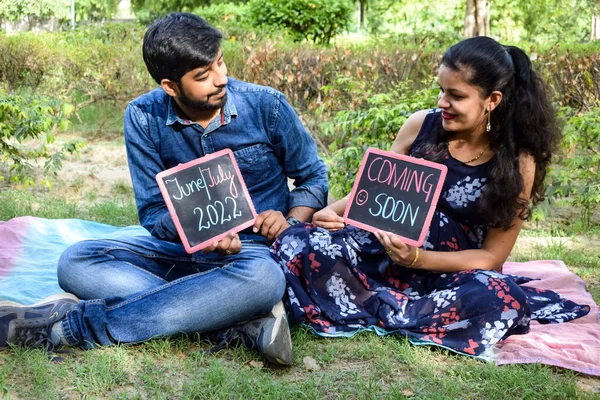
<point x="343" y="282"/>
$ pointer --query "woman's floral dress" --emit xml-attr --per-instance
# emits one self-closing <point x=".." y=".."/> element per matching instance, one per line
<point x="342" y="282"/>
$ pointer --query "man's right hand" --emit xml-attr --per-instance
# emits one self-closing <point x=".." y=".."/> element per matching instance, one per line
<point x="328" y="219"/>
<point x="230" y="244"/>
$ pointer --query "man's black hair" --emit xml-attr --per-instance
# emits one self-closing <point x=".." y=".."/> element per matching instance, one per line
<point x="179" y="43"/>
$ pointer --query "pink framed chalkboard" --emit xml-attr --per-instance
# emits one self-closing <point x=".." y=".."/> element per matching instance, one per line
<point x="207" y="199"/>
<point x="395" y="193"/>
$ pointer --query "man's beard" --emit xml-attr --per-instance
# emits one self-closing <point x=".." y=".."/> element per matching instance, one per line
<point x="201" y="105"/>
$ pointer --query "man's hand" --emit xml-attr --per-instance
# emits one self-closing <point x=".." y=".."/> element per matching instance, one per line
<point x="328" y="219"/>
<point x="230" y="244"/>
<point x="270" y="224"/>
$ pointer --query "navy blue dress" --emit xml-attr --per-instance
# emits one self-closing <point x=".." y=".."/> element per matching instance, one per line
<point x="342" y="282"/>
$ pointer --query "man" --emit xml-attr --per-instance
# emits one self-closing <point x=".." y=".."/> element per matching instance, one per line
<point x="145" y="287"/>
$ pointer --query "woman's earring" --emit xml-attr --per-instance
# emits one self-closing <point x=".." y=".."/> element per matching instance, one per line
<point x="488" y="127"/>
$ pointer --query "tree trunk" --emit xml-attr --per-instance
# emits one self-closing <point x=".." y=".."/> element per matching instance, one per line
<point x="477" y="18"/>
<point x="595" y="35"/>
<point x="362" y="5"/>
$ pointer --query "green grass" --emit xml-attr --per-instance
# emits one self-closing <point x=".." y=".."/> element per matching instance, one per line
<point x="120" y="211"/>
<point x="364" y="367"/>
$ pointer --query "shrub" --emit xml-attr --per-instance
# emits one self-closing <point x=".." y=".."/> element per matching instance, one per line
<point x="574" y="176"/>
<point x="232" y="19"/>
<point x="315" y="20"/>
<point x="27" y="123"/>
<point x="354" y="131"/>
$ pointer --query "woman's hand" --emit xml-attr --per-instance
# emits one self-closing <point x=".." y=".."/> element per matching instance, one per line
<point x="328" y="219"/>
<point x="399" y="252"/>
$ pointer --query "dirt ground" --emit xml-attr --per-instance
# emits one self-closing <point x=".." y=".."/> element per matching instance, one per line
<point x="99" y="173"/>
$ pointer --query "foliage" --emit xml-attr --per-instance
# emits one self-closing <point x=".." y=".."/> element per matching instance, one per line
<point x="25" y="120"/>
<point x="315" y="20"/>
<point x="25" y="60"/>
<point x="147" y="11"/>
<point x="442" y="18"/>
<point x="576" y="177"/>
<point x="573" y="75"/>
<point x="95" y="10"/>
<point x="542" y="20"/>
<point x="15" y="10"/>
<point x="354" y="131"/>
<point x="232" y="19"/>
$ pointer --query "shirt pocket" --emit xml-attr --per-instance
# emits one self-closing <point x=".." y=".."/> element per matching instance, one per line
<point x="257" y="163"/>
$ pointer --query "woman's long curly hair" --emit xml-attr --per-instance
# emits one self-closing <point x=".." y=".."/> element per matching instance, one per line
<point x="523" y="122"/>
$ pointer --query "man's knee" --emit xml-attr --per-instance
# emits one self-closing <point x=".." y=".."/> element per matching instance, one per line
<point x="268" y="281"/>
<point x="72" y="262"/>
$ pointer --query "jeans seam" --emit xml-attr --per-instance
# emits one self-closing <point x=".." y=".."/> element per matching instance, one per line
<point x="107" y="250"/>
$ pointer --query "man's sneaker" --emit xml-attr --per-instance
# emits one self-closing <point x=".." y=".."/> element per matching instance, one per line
<point x="31" y="326"/>
<point x="272" y="335"/>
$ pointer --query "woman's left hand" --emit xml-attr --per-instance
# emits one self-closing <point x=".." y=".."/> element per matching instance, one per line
<point x="399" y="252"/>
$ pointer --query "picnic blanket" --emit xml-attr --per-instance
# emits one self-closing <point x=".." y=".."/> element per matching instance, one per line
<point x="30" y="248"/>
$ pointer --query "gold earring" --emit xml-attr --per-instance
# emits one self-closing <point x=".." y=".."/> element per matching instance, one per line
<point x="488" y="127"/>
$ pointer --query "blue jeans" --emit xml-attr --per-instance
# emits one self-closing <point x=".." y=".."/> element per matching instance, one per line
<point x="143" y="287"/>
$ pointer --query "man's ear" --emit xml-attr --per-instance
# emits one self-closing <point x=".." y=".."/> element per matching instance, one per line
<point x="495" y="99"/>
<point x="170" y="87"/>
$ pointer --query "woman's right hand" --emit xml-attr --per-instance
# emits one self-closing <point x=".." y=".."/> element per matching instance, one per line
<point x="328" y="219"/>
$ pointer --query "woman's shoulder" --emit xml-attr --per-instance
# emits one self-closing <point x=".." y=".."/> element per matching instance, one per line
<point x="410" y="130"/>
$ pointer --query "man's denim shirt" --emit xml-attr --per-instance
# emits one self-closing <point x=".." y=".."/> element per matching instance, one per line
<point x="266" y="136"/>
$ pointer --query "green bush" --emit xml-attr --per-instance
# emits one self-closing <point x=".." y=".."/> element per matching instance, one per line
<point x="27" y="125"/>
<point x="232" y="19"/>
<point x="574" y="176"/>
<point x="354" y="131"/>
<point x="25" y="60"/>
<point x="315" y="20"/>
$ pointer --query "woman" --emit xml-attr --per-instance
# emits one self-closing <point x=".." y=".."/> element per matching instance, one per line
<point x="495" y="130"/>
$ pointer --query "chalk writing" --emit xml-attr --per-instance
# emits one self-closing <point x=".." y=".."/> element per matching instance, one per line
<point x="395" y="193"/>
<point x="207" y="199"/>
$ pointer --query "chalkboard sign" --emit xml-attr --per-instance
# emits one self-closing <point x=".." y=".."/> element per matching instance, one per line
<point x="395" y="193"/>
<point x="207" y="199"/>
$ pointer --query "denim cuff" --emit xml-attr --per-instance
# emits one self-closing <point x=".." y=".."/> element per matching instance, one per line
<point x="312" y="196"/>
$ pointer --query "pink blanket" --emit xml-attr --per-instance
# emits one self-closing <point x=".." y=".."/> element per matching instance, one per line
<point x="574" y="345"/>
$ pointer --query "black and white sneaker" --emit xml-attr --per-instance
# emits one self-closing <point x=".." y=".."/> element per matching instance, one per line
<point x="31" y="326"/>
<point x="271" y="334"/>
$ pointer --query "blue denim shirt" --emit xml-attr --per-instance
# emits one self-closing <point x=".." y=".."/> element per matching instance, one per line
<point x="257" y="123"/>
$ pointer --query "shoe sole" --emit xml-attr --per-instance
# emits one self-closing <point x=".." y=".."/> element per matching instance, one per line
<point x="67" y="297"/>
<point x="280" y="329"/>
<point x="49" y="299"/>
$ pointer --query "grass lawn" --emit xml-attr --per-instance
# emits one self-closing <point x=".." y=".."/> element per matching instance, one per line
<point x="364" y="367"/>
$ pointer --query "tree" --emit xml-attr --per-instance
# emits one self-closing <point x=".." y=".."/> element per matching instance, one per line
<point x="362" y="9"/>
<point x="595" y="11"/>
<point x="315" y="20"/>
<point x="148" y="10"/>
<point x="477" y="18"/>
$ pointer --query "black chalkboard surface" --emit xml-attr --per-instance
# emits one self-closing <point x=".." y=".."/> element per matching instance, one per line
<point x="395" y="193"/>
<point x="207" y="199"/>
